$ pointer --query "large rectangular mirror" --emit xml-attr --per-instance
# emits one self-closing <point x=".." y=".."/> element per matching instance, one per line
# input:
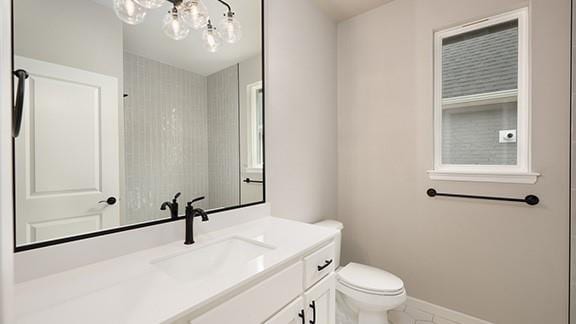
<point x="127" y="104"/>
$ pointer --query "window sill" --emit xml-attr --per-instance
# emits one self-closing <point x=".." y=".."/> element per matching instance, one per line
<point x="498" y="177"/>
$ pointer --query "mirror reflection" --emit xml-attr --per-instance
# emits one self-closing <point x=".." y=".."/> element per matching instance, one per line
<point x="132" y="107"/>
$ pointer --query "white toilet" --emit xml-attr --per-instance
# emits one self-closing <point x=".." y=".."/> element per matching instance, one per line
<point x="370" y="291"/>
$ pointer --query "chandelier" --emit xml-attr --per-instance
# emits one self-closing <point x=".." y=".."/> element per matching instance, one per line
<point x="184" y="16"/>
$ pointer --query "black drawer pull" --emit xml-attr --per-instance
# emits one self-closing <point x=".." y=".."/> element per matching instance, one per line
<point x="301" y="315"/>
<point x="326" y="264"/>
<point x="313" y="306"/>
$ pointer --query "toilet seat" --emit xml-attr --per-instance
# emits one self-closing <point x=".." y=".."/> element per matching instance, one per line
<point x="370" y="280"/>
<point x="372" y="292"/>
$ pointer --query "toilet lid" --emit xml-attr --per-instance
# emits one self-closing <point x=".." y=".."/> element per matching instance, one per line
<point x="369" y="279"/>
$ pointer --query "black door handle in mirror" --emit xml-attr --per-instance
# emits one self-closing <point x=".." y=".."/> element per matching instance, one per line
<point x="301" y="315"/>
<point x="110" y="201"/>
<point x="17" y="110"/>
<point x="326" y="264"/>
<point x="313" y="306"/>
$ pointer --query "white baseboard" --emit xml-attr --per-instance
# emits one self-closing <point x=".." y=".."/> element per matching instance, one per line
<point x="440" y="313"/>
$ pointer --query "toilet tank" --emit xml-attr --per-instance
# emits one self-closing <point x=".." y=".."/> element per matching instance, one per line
<point x="337" y="240"/>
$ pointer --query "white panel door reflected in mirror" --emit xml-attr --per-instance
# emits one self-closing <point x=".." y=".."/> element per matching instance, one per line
<point x="125" y="111"/>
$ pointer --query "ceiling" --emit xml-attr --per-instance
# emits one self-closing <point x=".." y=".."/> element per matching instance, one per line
<point x="148" y="40"/>
<point x="343" y="9"/>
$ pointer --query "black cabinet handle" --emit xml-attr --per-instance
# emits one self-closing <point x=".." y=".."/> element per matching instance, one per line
<point x="326" y="264"/>
<point x="17" y="110"/>
<point x="248" y="180"/>
<point x="110" y="201"/>
<point x="301" y="315"/>
<point x="313" y="306"/>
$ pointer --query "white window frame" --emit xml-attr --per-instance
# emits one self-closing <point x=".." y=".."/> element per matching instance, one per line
<point x="253" y="164"/>
<point x="522" y="171"/>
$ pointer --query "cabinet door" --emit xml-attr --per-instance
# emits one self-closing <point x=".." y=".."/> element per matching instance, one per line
<point x="320" y="302"/>
<point x="260" y="302"/>
<point x="291" y="314"/>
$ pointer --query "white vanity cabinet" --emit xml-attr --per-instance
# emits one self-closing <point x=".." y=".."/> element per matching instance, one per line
<point x="256" y="304"/>
<point x="301" y="293"/>
<point x="316" y="306"/>
<point x="291" y="314"/>
<point x="320" y="301"/>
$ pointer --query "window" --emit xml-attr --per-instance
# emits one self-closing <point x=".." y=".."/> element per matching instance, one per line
<point x="481" y="104"/>
<point x="255" y="127"/>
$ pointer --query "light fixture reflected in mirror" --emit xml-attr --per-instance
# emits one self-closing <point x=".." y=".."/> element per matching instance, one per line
<point x="150" y="4"/>
<point x="129" y="11"/>
<point x="185" y="14"/>
<point x="194" y="13"/>
<point x="174" y="26"/>
<point x="230" y="28"/>
<point x="211" y="38"/>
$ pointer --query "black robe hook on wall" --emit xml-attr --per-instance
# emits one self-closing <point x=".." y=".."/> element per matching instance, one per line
<point x="17" y="110"/>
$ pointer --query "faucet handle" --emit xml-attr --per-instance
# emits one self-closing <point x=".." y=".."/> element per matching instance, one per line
<point x="195" y="200"/>
<point x="176" y="196"/>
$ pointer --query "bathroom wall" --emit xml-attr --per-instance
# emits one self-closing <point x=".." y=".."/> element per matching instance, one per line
<point x="501" y="262"/>
<point x="301" y="110"/>
<point x="43" y="32"/>
<point x="166" y="137"/>
<point x="223" y="138"/>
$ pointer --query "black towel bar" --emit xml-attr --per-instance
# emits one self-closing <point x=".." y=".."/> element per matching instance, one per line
<point x="530" y="199"/>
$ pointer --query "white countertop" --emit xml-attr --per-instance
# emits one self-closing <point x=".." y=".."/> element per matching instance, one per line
<point x="129" y="289"/>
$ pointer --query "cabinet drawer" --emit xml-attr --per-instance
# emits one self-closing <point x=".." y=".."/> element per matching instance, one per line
<point x="319" y="264"/>
<point x="258" y="303"/>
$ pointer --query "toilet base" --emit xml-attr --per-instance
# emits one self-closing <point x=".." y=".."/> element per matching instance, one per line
<point x="365" y="317"/>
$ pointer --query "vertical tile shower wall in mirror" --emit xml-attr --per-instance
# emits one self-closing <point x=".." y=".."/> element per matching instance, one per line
<point x="131" y="106"/>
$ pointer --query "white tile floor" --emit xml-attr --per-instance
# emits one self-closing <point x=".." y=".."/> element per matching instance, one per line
<point x="411" y="315"/>
<point x="401" y="315"/>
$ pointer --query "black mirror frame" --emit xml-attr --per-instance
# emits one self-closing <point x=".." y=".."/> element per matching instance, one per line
<point x="73" y="238"/>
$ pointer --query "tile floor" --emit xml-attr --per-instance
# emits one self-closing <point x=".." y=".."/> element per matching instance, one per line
<point x="410" y="315"/>
<point x="401" y="315"/>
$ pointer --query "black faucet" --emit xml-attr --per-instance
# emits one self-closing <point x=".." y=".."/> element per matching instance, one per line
<point x="191" y="213"/>
<point x="173" y="206"/>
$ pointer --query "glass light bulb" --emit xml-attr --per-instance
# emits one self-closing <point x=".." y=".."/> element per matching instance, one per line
<point x="150" y="4"/>
<point x="211" y="38"/>
<point x="129" y="11"/>
<point x="230" y="28"/>
<point x="194" y="13"/>
<point x="174" y="26"/>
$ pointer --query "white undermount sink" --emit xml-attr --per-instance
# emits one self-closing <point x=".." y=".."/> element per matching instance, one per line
<point x="221" y="256"/>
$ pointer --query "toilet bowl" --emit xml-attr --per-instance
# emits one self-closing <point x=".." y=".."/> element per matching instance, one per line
<point x="369" y="291"/>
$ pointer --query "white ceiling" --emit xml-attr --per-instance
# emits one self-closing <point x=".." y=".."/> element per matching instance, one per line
<point x="343" y="9"/>
<point x="148" y="40"/>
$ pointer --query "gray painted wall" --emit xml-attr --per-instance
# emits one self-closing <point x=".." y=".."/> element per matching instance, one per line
<point x="223" y="138"/>
<point x="60" y="32"/>
<point x="504" y="262"/>
<point x="166" y="137"/>
<point x="301" y="124"/>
